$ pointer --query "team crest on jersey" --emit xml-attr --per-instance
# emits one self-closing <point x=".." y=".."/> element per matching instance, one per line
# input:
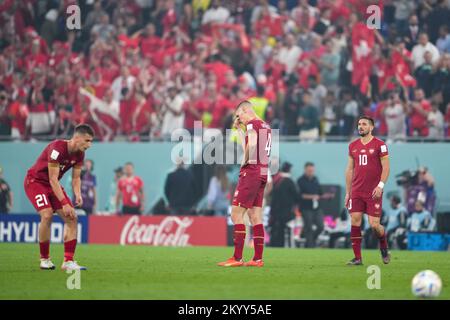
<point x="354" y="150"/>
<point x="371" y="151"/>
<point x="363" y="151"/>
<point x="377" y="205"/>
<point x="72" y="162"/>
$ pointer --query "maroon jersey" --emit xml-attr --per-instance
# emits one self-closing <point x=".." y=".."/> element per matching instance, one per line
<point x="367" y="165"/>
<point x="264" y="143"/>
<point x="55" y="152"/>
<point x="130" y="188"/>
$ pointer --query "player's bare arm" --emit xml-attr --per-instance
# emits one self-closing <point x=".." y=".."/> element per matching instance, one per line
<point x="348" y="179"/>
<point x="76" y="185"/>
<point x="378" y="191"/>
<point x="53" y="174"/>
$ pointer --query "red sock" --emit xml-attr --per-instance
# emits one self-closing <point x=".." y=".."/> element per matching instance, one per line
<point x="355" y="236"/>
<point x="69" y="249"/>
<point x="258" y="241"/>
<point x="383" y="241"/>
<point x="45" y="249"/>
<point x="239" y="239"/>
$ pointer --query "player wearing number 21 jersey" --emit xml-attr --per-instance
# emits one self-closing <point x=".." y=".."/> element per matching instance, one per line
<point x="46" y="194"/>
<point x="249" y="193"/>
<point x="367" y="172"/>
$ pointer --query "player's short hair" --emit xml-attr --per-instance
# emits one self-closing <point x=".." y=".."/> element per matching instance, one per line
<point x="372" y="122"/>
<point x="129" y="163"/>
<point x="396" y="199"/>
<point x="309" y="164"/>
<point x="84" y="129"/>
<point x="244" y="102"/>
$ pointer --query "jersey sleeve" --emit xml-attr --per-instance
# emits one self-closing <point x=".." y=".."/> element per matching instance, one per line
<point x="54" y="153"/>
<point x="80" y="161"/>
<point x="383" y="150"/>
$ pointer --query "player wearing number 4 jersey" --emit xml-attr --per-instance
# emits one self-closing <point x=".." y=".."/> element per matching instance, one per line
<point x="46" y="194"/>
<point x="248" y="197"/>
<point x="366" y="174"/>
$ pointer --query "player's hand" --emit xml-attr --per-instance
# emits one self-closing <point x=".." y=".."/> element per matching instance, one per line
<point x="78" y="200"/>
<point x="377" y="192"/>
<point x="68" y="211"/>
<point x="347" y="198"/>
<point x="236" y="123"/>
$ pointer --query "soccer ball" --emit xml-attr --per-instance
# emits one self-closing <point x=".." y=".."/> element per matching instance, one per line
<point x="426" y="284"/>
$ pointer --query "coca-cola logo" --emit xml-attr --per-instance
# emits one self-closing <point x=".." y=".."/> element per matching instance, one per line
<point x="170" y="232"/>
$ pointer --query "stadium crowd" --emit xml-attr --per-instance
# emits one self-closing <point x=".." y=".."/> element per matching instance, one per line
<point x="143" y="68"/>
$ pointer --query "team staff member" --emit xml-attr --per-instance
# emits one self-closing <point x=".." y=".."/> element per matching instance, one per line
<point x="130" y="191"/>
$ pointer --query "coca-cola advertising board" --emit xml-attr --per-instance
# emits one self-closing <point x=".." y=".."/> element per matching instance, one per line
<point x="177" y="231"/>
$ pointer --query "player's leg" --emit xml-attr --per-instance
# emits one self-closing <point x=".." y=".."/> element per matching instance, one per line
<point x="38" y="196"/>
<point x="70" y="234"/>
<point x="237" y="216"/>
<point x="70" y="242"/>
<point x="44" y="238"/>
<point x="380" y="232"/>
<point x="255" y="215"/>
<point x="356" y="208"/>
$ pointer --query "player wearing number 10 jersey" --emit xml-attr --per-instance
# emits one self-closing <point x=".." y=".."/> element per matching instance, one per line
<point x="366" y="174"/>
<point x="46" y="194"/>
<point x="249" y="193"/>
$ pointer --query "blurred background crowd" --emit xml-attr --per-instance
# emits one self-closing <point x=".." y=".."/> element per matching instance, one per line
<point x="139" y="69"/>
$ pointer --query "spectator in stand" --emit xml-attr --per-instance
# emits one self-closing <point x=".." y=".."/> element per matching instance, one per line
<point x="172" y="112"/>
<point x="215" y="14"/>
<point x="418" y="114"/>
<point x="330" y="115"/>
<point x="179" y="190"/>
<point x="447" y="120"/>
<point x="435" y="122"/>
<point x="308" y="119"/>
<point x="443" y="43"/>
<point x="441" y="80"/>
<point x="403" y="10"/>
<point x="318" y="92"/>
<point x="329" y="63"/>
<point x="18" y="112"/>
<point x="395" y="113"/>
<point x="5" y="120"/>
<point x="411" y="34"/>
<point x="418" y="52"/>
<point x="424" y="75"/>
<point x="218" y="195"/>
<point x="289" y="53"/>
<point x="439" y="16"/>
<point x="350" y="113"/>
<point x="104" y="30"/>
<point x="6" y="195"/>
<point x="130" y="192"/>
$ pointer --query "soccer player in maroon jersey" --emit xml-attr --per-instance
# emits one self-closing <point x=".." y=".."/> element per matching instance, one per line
<point x="366" y="174"/>
<point x="46" y="194"/>
<point x="248" y="197"/>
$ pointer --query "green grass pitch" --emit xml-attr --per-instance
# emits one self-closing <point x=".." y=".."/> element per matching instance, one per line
<point x="142" y="272"/>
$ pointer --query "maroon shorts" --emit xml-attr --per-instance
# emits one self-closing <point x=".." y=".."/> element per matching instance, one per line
<point x="250" y="189"/>
<point x="41" y="195"/>
<point x="370" y="206"/>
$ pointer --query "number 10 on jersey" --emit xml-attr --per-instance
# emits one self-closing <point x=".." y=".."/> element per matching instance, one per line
<point x="363" y="159"/>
